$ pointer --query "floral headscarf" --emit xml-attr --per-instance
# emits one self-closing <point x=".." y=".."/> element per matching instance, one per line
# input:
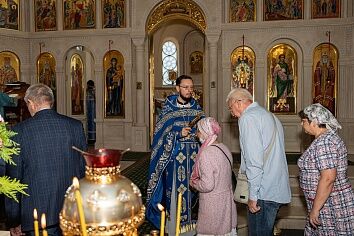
<point x="321" y="115"/>
<point x="210" y="129"/>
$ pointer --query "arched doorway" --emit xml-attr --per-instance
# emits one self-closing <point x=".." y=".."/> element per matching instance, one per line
<point x="78" y="70"/>
<point x="176" y="36"/>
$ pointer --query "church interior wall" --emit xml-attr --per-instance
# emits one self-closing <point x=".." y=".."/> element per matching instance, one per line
<point x="304" y="38"/>
<point x="303" y="35"/>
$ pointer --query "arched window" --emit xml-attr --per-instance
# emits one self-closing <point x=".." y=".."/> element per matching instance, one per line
<point x="169" y="63"/>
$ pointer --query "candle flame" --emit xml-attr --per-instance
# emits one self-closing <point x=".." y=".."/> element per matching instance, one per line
<point x="161" y="208"/>
<point x="35" y="215"/>
<point x="76" y="183"/>
<point x="43" y="221"/>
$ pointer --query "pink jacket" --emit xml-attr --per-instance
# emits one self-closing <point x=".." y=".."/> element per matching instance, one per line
<point x="217" y="209"/>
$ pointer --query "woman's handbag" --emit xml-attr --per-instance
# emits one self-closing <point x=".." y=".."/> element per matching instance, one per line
<point x="241" y="191"/>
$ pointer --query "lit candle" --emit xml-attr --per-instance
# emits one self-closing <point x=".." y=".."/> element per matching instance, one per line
<point x="43" y="224"/>
<point x="36" y="228"/>
<point x="179" y="210"/>
<point x="163" y="218"/>
<point x="133" y="209"/>
<point x="79" y="206"/>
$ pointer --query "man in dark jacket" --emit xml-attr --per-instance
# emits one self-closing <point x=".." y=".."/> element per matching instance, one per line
<point x="47" y="163"/>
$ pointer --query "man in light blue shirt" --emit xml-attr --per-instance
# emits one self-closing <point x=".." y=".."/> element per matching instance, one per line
<point x="263" y="159"/>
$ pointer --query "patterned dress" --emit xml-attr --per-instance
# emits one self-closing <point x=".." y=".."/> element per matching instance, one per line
<point x="337" y="214"/>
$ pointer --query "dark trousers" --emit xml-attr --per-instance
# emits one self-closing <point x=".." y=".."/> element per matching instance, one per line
<point x="262" y="222"/>
<point x="52" y="231"/>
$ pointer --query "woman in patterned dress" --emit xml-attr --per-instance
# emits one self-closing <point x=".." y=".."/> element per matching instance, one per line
<point x="323" y="176"/>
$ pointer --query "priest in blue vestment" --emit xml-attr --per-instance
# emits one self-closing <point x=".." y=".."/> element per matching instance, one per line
<point x="174" y="149"/>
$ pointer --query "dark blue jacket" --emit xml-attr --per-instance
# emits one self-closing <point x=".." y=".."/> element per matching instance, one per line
<point x="47" y="163"/>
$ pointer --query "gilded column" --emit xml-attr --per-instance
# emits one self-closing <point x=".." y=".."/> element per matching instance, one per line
<point x="213" y="39"/>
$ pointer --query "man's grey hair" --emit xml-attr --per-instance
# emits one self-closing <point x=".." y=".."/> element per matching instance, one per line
<point x="40" y="94"/>
<point x="239" y="94"/>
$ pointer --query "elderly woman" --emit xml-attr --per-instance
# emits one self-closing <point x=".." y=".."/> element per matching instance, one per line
<point x="211" y="176"/>
<point x="323" y="176"/>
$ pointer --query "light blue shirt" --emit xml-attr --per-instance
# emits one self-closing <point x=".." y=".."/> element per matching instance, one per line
<point x="268" y="180"/>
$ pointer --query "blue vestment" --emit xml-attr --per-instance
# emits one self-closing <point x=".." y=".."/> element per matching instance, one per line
<point x="172" y="160"/>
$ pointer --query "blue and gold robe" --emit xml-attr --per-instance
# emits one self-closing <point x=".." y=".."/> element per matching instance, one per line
<point x="171" y="163"/>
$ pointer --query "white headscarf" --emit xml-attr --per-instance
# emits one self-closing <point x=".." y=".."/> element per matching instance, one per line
<point x="321" y="115"/>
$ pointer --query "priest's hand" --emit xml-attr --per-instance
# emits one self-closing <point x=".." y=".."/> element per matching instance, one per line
<point x="16" y="231"/>
<point x="185" y="131"/>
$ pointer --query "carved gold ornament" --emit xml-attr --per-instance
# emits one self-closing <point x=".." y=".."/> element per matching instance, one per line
<point x="172" y="9"/>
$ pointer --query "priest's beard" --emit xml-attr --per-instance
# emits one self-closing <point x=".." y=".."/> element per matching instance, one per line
<point x="185" y="99"/>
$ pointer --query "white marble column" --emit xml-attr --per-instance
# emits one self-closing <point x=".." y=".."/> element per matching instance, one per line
<point x="29" y="24"/>
<point x="307" y="10"/>
<point x="26" y="73"/>
<point x="140" y="131"/>
<point x="98" y="15"/>
<point x="140" y="85"/>
<point x="305" y="97"/>
<point x="259" y="11"/>
<point x="61" y="89"/>
<point x="350" y="8"/>
<point x="345" y="8"/>
<point x="213" y="39"/>
<point x="60" y="16"/>
<point x="100" y="103"/>
<point x="260" y="82"/>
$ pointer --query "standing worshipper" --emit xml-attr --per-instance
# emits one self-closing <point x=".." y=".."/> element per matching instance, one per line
<point x="211" y="176"/>
<point x="47" y="162"/>
<point x="263" y="160"/>
<point x="323" y="175"/>
<point x="91" y="112"/>
<point x="174" y="149"/>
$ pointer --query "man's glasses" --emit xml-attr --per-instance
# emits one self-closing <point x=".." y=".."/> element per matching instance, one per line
<point x="234" y="101"/>
<point x="187" y="87"/>
<point x="231" y="105"/>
